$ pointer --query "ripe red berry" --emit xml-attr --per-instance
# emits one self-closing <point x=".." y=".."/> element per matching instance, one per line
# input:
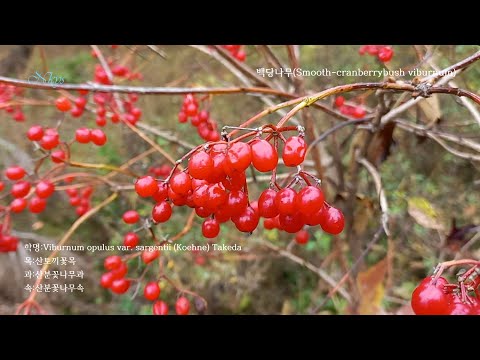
<point x="120" y="286"/>
<point x="81" y="102"/>
<point x="339" y="101"/>
<point x="160" y="308"/>
<point x="358" y="112"/>
<point x="112" y="262"/>
<point x="101" y="121"/>
<point x="457" y="307"/>
<point x="301" y="237"/>
<point x="82" y="135"/>
<point x="267" y="207"/>
<point x="333" y="221"/>
<point x="247" y="221"/>
<point x="37" y="205"/>
<point x="294" y="151"/>
<point x="19" y="116"/>
<point x="20" y="189"/>
<point x="151" y="291"/>
<point x="191" y="109"/>
<point x="18" y="205"/>
<point x="182" y="306"/>
<point x="264" y="156"/>
<point x="309" y="200"/>
<point x="285" y="201"/>
<point x="63" y="104"/>
<point x="385" y="54"/>
<point x="291" y="223"/>
<point x="210" y="228"/>
<point x="120" y="272"/>
<point x="49" y="141"/>
<point x="131" y="217"/>
<point x="98" y="137"/>
<point x="146" y="186"/>
<point x="76" y="112"/>
<point x="58" y="156"/>
<point x="241" y="55"/>
<point x="182" y="117"/>
<point x="35" y="133"/>
<point x="161" y="212"/>
<point x="130" y="239"/>
<point x="200" y="165"/>
<point x="44" y="189"/>
<point x="239" y="156"/>
<point x="149" y="255"/>
<point x="181" y="183"/>
<point x="106" y="280"/>
<point x="15" y="172"/>
<point x="429" y="298"/>
<point x="237" y="202"/>
<point x="2" y="186"/>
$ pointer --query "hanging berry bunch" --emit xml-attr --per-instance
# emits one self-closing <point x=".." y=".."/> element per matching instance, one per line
<point x="206" y="126"/>
<point x="383" y="53"/>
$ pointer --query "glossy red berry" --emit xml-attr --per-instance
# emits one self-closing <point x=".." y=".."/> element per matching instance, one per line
<point x="339" y="101"/>
<point x="285" y="201"/>
<point x="291" y="223"/>
<point x="267" y="207"/>
<point x="200" y="165"/>
<point x="58" y="156"/>
<point x="131" y="217"/>
<point x="210" y="228"/>
<point x="237" y="202"/>
<point x="309" y="200"/>
<point x="120" y="286"/>
<point x="301" y="237"/>
<point x="151" y="291"/>
<point x="333" y="221"/>
<point x="149" y="255"/>
<point x="457" y="307"/>
<point x="182" y="306"/>
<point x="247" y="221"/>
<point x="20" y="189"/>
<point x="35" y="133"/>
<point x="15" y="172"/>
<point x="120" y="272"/>
<point x="146" y="186"/>
<point x="182" y="117"/>
<point x="239" y="156"/>
<point x="161" y="212"/>
<point x="76" y="111"/>
<point x="37" y="205"/>
<point x="160" y="308"/>
<point x="63" y="104"/>
<point x="98" y="137"/>
<point x="264" y="156"/>
<point x="294" y="151"/>
<point x="130" y="239"/>
<point x="106" y="280"/>
<point x="49" y="141"/>
<point x="429" y="298"/>
<point x="44" y="189"/>
<point x="82" y="135"/>
<point x="18" y="205"/>
<point x="112" y="262"/>
<point x="181" y="183"/>
<point x="81" y="102"/>
<point x="385" y="54"/>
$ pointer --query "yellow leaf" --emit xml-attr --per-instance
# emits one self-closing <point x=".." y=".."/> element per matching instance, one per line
<point x="371" y="288"/>
<point x="424" y="213"/>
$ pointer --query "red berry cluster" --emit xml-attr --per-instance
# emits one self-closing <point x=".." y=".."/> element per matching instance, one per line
<point x="115" y="279"/>
<point x="160" y="171"/>
<point x="80" y="199"/>
<point x="236" y="51"/>
<point x="215" y="186"/>
<point x="383" y="53"/>
<point x="206" y="127"/>
<point x="439" y="297"/>
<point x="358" y="111"/>
<point x="7" y="94"/>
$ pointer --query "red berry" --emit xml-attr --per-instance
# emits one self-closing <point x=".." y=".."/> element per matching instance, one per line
<point x="309" y="200"/>
<point x="247" y="221"/>
<point x="203" y="115"/>
<point x="216" y="196"/>
<point x="37" y="205"/>
<point x="20" y="189"/>
<point x="101" y="121"/>
<point x="182" y="306"/>
<point x="115" y="118"/>
<point x="149" y="255"/>
<point x="44" y="189"/>
<point x="294" y="151"/>
<point x="63" y="104"/>
<point x="120" y="272"/>
<point x="130" y="239"/>
<point x="291" y="223"/>
<point x="264" y="156"/>
<point x="75" y="201"/>
<point x="267" y="207"/>
<point x="358" y="112"/>
<point x="301" y="237"/>
<point x="18" y="205"/>
<point x="2" y="186"/>
<point x="241" y="55"/>
<point x="106" y="280"/>
<point x="19" y="116"/>
<point x="49" y="141"/>
<point x="80" y="102"/>
<point x="181" y="183"/>
<point x="76" y="111"/>
<point x="237" y="202"/>
<point x="82" y="210"/>
<point x="457" y="307"/>
<point x="239" y="156"/>
<point x="333" y="221"/>
<point x="160" y="308"/>
<point x="339" y="101"/>
<point x="210" y="228"/>
<point x="58" y="156"/>
<point x="200" y="165"/>
<point x="15" y="172"/>
<point x="161" y="212"/>
<point x="82" y="135"/>
<point x="285" y="201"/>
<point x="146" y="186"/>
<point x="120" y="286"/>
<point x="35" y="133"/>
<point x="182" y="117"/>
<point x="131" y="217"/>
<point x="112" y="262"/>
<point x="429" y="298"/>
<point x="191" y="109"/>
<point x="98" y="137"/>
<point x="162" y="192"/>
<point x="151" y="291"/>
<point x="385" y="54"/>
